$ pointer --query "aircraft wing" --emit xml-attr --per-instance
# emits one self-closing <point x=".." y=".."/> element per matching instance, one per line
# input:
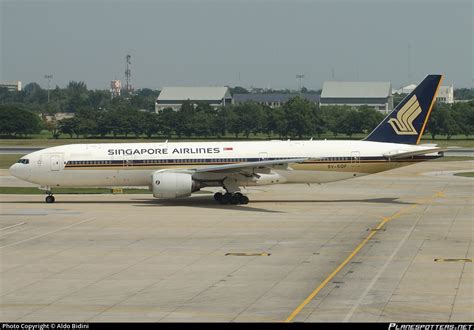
<point x="397" y="154"/>
<point x="249" y="165"/>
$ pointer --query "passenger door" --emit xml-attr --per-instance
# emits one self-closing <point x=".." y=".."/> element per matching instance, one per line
<point x="355" y="158"/>
<point x="55" y="162"/>
<point x="263" y="156"/>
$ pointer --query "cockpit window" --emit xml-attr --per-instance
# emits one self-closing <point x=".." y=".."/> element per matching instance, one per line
<point x="23" y="161"/>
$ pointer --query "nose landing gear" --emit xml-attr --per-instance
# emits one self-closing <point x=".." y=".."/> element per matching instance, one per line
<point x="50" y="197"/>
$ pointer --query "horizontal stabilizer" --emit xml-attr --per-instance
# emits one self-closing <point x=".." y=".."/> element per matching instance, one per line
<point x="398" y="154"/>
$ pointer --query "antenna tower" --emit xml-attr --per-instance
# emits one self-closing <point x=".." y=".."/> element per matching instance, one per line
<point x="128" y="74"/>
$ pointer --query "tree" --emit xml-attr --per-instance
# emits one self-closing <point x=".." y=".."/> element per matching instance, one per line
<point x="184" y="119"/>
<point x="99" y="99"/>
<point x="233" y="120"/>
<point x="16" y="121"/>
<point x="334" y="116"/>
<point x="369" y="118"/>
<point x="463" y="114"/>
<point x="464" y="94"/>
<point x="299" y="117"/>
<point x="33" y="93"/>
<point x="249" y="119"/>
<point x="69" y="126"/>
<point x="149" y="123"/>
<point x="225" y="119"/>
<point x="446" y="122"/>
<point x="51" y="126"/>
<point x="77" y="96"/>
<point x="167" y="121"/>
<point x="144" y="99"/>
<point x="204" y="118"/>
<point x="351" y="123"/>
<point x="320" y="121"/>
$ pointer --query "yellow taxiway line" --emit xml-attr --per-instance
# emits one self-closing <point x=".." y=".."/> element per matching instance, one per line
<point x="354" y="253"/>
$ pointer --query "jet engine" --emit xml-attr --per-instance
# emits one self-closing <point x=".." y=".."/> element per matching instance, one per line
<point x="167" y="184"/>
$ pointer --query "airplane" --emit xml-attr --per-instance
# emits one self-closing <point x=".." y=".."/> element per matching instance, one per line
<point x="173" y="170"/>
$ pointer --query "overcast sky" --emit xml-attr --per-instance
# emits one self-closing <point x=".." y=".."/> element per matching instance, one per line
<point x="247" y="43"/>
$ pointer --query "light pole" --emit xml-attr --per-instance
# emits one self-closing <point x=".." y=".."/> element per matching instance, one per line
<point x="300" y="86"/>
<point x="48" y="77"/>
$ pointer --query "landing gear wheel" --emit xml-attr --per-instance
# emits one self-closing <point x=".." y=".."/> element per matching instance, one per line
<point x="244" y="200"/>
<point x="218" y="196"/>
<point x="235" y="199"/>
<point x="241" y="199"/>
<point x="50" y="199"/>
<point x="225" y="199"/>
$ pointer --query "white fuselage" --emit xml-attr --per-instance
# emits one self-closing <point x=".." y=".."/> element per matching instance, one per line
<point x="132" y="164"/>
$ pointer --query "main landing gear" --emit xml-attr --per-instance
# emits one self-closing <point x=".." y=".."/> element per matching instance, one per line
<point x="50" y="197"/>
<point x="228" y="198"/>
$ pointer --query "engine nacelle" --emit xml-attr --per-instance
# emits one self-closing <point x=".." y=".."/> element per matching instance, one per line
<point x="167" y="184"/>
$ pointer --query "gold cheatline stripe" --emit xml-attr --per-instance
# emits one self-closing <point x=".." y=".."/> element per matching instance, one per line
<point x="429" y="110"/>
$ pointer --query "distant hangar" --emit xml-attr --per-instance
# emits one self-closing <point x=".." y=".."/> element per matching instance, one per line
<point x="174" y="97"/>
<point x="355" y="94"/>
<point x="341" y="93"/>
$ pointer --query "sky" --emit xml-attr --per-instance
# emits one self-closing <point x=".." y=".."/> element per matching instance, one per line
<point x="259" y="43"/>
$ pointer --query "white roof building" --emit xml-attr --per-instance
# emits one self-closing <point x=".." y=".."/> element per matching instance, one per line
<point x="445" y="93"/>
<point x="12" y="86"/>
<point x="405" y="90"/>
<point x="355" y="94"/>
<point x="174" y="97"/>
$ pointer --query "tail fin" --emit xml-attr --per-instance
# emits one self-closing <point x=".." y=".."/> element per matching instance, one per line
<point x="407" y="122"/>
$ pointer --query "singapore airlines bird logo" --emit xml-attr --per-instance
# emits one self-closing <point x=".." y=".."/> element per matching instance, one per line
<point x="403" y="124"/>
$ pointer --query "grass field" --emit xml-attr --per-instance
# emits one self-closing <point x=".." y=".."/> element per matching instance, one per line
<point x="58" y="191"/>
<point x="451" y="143"/>
<point x="466" y="174"/>
<point x="6" y="160"/>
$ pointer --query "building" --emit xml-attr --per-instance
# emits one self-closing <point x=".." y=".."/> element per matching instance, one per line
<point x="59" y="116"/>
<point x="115" y="88"/>
<point x="355" y="94"/>
<point x="174" y="97"/>
<point x="12" y="86"/>
<point x="405" y="90"/>
<point x="445" y="93"/>
<point x="272" y="100"/>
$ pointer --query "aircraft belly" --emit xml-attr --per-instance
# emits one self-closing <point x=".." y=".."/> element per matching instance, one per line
<point x="96" y="178"/>
<point x="323" y="173"/>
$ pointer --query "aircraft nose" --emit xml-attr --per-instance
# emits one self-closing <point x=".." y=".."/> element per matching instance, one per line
<point x="19" y="171"/>
<point x="13" y="170"/>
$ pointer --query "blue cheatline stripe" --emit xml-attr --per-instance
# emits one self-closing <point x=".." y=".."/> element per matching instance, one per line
<point x="224" y="161"/>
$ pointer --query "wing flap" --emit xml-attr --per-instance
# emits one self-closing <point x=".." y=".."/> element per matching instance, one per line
<point x="249" y="165"/>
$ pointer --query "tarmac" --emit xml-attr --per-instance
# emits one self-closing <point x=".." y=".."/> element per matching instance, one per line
<point x="395" y="246"/>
